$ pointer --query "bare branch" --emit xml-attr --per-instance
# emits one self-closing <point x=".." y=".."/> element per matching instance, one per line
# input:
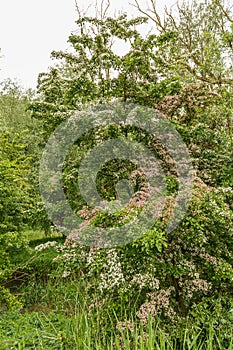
<point x="155" y="18"/>
<point x="104" y="11"/>
<point x="224" y="11"/>
<point x="81" y="14"/>
<point x="77" y="9"/>
<point x="205" y="79"/>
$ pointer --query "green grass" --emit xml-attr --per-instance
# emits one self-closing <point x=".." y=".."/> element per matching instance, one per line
<point x="51" y="330"/>
<point x="37" y="234"/>
<point x="63" y="314"/>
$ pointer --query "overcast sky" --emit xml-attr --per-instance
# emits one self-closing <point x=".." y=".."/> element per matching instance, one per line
<point x="31" y="29"/>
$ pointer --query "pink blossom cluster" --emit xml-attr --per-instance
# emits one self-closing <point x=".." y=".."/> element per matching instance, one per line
<point x="159" y="302"/>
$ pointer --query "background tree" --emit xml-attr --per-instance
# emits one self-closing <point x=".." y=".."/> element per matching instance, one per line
<point x="19" y="193"/>
<point x="15" y="118"/>
<point x="196" y="45"/>
<point x="15" y="202"/>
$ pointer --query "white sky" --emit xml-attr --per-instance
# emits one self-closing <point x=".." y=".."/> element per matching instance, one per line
<point x="31" y="29"/>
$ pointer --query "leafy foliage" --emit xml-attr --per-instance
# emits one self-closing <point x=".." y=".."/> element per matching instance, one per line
<point x="15" y="201"/>
<point x="184" y="71"/>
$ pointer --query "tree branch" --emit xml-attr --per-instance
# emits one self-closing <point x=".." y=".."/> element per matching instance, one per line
<point x="224" y="11"/>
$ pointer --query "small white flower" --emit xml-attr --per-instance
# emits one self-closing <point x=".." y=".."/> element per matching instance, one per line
<point x="45" y="245"/>
<point x="65" y="274"/>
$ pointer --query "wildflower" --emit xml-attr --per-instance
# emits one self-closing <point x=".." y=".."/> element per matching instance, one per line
<point x="65" y="274"/>
<point x="45" y="245"/>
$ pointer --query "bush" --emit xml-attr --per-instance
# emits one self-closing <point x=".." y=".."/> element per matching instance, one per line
<point x="15" y="200"/>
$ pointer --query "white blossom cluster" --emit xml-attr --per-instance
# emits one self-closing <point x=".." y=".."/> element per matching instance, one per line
<point x="65" y="274"/>
<point x="46" y="245"/>
<point x="66" y="257"/>
<point x="196" y="285"/>
<point x="69" y="256"/>
<point x="145" y="280"/>
<point x="220" y="211"/>
<point x="113" y="276"/>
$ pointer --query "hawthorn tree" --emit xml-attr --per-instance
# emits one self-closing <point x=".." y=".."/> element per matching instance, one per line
<point x="181" y="71"/>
